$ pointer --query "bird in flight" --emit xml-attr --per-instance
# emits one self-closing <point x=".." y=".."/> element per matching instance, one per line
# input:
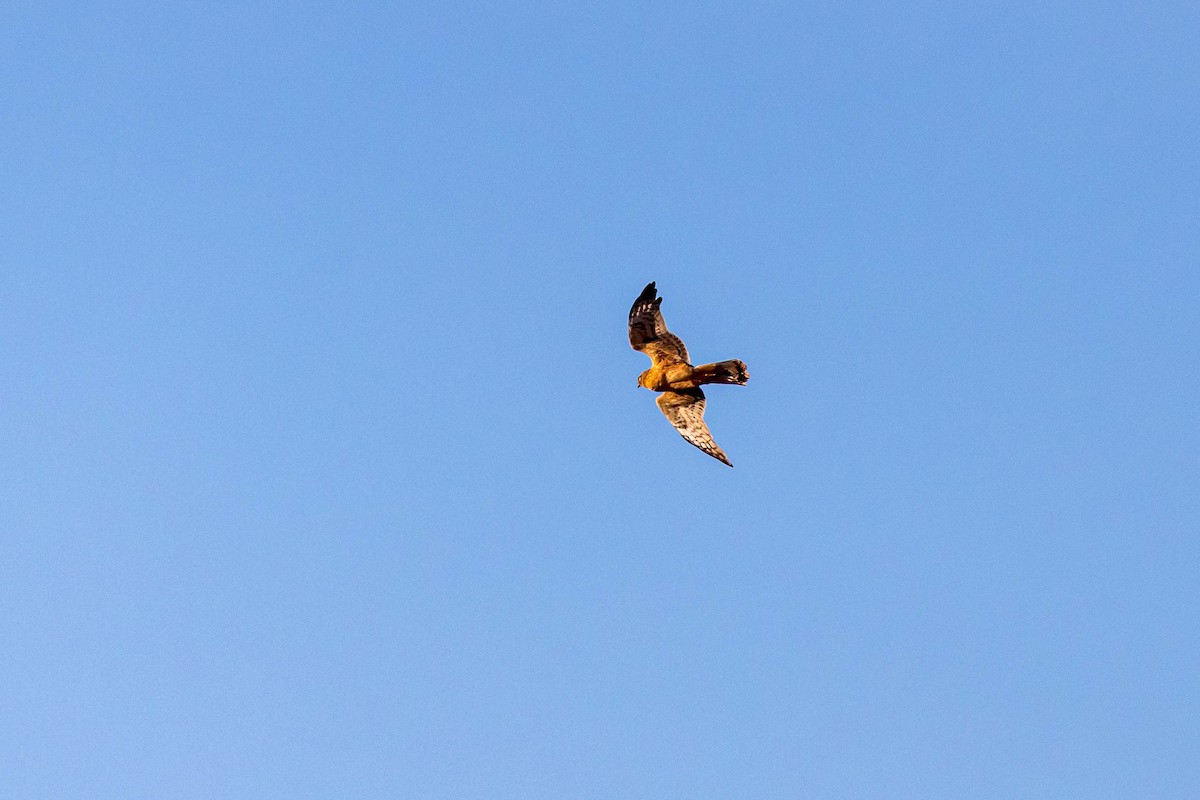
<point x="671" y="374"/>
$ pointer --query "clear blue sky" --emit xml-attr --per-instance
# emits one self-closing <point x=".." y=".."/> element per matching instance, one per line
<point x="325" y="473"/>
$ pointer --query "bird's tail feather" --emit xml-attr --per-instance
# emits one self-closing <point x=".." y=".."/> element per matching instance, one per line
<point x="731" y="371"/>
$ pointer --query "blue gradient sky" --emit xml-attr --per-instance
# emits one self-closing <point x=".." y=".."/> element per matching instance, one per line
<point x="326" y="474"/>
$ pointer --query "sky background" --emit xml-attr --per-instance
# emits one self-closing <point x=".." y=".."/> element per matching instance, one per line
<point x="325" y="473"/>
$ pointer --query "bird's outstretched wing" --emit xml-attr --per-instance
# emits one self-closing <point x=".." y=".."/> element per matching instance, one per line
<point x="648" y="331"/>
<point x="685" y="410"/>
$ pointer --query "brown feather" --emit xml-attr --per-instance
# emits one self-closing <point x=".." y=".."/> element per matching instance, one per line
<point x="648" y="331"/>
<point x="685" y="411"/>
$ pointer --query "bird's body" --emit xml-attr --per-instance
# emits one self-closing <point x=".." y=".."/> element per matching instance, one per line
<point x="678" y="382"/>
<point x="685" y="376"/>
<point x="668" y="376"/>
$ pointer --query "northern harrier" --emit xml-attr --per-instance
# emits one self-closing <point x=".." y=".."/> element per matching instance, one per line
<point x="670" y="373"/>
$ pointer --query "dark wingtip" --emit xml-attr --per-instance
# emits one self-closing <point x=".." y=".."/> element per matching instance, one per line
<point x="647" y="297"/>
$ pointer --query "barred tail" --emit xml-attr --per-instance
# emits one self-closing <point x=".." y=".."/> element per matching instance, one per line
<point x="731" y="371"/>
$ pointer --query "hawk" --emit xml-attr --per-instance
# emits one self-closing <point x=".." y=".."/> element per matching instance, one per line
<point x="673" y="376"/>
